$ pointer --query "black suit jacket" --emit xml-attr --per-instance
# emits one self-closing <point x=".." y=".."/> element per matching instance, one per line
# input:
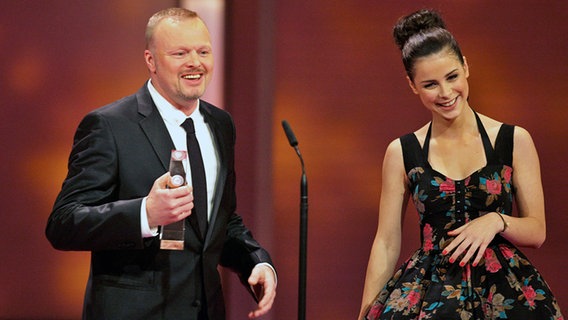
<point x="118" y="152"/>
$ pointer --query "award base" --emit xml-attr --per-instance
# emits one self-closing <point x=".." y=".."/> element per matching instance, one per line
<point x="172" y="236"/>
<point x="171" y="244"/>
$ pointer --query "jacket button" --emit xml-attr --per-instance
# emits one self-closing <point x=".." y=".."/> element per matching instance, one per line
<point x="196" y="303"/>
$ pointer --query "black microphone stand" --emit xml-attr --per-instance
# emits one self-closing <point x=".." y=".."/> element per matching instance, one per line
<point x="303" y="242"/>
<point x="303" y="225"/>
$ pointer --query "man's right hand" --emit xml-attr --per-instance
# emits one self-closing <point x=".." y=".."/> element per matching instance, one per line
<point x="165" y="206"/>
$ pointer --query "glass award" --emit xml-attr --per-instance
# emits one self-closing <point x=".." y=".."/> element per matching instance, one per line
<point x="172" y="235"/>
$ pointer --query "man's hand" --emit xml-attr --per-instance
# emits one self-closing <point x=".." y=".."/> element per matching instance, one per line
<point x="263" y="283"/>
<point x="165" y="206"/>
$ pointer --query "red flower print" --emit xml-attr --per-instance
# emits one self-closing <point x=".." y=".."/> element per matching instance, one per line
<point x="413" y="298"/>
<point x="507" y="174"/>
<point x="529" y="294"/>
<point x="375" y="311"/>
<point x="428" y="245"/>
<point x="427" y="232"/>
<point x="493" y="186"/>
<point x="507" y="252"/>
<point x="491" y="263"/>
<point x="447" y="186"/>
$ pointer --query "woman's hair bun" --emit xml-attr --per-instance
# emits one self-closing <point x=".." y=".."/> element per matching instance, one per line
<point x="415" y="23"/>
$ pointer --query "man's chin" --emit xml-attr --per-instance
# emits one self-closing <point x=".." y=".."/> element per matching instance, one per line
<point x="191" y="97"/>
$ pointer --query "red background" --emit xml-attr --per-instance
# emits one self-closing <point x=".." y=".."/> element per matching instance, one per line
<point x="330" y="68"/>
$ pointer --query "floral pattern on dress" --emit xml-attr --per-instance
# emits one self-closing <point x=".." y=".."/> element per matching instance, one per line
<point x="504" y="284"/>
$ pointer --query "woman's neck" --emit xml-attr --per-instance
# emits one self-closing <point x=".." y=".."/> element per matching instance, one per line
<point x="463" y="125"/>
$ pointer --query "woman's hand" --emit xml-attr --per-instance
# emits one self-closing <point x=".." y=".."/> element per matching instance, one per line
<point x="473" y="237"/>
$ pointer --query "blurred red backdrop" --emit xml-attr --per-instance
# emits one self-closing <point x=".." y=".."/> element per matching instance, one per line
<point x="333" y="73"/>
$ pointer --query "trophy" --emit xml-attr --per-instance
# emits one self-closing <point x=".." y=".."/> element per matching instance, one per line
<point x="172" y="235"/>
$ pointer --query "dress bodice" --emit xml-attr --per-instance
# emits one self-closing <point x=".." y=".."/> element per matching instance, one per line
<point x="444" y="204"/>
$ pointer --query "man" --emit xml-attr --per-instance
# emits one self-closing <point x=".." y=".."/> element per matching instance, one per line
<point x="115" y="196"/>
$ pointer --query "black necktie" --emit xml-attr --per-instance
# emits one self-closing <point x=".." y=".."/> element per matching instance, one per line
<point x="197" y="177"/>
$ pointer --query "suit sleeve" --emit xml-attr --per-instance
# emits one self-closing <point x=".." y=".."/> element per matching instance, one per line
<point x="87" y="214"/>
<point x="241" y="251"/>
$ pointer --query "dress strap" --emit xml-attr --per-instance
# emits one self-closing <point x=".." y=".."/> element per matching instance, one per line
<point x="489" y="152"/>
<point x="504" y="144"/>
<point x="502" y="153"/>
<point x="411" y="152"/>
<point x="426" y="147"/>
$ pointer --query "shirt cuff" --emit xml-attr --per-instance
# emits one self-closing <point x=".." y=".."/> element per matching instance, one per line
<point x="271" y="267"/>
<point x="147" y="232"/>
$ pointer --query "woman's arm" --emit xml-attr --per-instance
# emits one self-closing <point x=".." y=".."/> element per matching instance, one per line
<point x="526" y="230"/>
<point x="386" y="246"/>
<point x="529" y="229"/>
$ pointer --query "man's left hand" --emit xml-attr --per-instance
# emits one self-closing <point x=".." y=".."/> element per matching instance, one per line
<point x="263" y="283"/>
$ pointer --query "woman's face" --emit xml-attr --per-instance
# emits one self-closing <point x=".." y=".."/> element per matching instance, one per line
<point x="440" y="80"/>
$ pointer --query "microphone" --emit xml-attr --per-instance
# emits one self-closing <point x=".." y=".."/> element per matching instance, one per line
<point x="303" y="257"/>
<point x="293" y="142"/>
<point x="289" y="133"/>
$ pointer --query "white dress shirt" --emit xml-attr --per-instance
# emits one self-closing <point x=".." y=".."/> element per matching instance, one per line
<point x="173" y="118"/>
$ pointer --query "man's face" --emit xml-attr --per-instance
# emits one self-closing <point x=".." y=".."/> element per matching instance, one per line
<point x="180" y="61"/>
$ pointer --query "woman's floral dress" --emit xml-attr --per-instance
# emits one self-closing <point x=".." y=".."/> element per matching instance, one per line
<point x="504" y="285"/>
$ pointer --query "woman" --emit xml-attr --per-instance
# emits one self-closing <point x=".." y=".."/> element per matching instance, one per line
<point x="462" y="170"/>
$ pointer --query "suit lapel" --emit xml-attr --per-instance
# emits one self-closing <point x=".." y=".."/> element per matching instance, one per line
<point x="217" y="129"/>
<point x="153" y="126"/>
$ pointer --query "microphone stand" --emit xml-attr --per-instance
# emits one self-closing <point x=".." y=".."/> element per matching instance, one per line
<point x="303" y="225"/>
<point x="303" y="242"/>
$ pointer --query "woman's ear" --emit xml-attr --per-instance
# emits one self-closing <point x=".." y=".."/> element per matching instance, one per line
<point x="411" y="84"/>
<point x="465" y="67"/>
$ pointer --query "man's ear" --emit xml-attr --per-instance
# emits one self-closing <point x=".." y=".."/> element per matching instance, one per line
<point x="150" y="62"/>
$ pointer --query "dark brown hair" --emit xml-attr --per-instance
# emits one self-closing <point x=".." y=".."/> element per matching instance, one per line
<point x="421" y="34"/>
